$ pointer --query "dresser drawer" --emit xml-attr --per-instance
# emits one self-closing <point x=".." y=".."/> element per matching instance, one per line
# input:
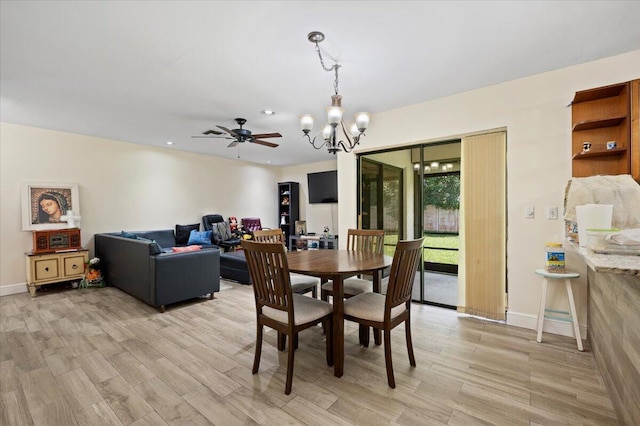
<point x="46" y="269"/>
<point x="73" y="265"/>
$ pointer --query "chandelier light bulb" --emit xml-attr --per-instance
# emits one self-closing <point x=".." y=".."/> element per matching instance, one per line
<point x="362" y="121"/>
<point x="306" y="122"/>
<point x="434" y="165"/>
<point x="334" y="114"/>
<point x="353" y="129"/>
<point x="327" y="131"/>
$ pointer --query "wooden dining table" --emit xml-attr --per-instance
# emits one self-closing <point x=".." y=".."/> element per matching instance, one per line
<point x="336" y="265"/>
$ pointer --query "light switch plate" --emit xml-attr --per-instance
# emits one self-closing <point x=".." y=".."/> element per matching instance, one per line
<point x="552" y="213"/>
<point x="530" y="212"/>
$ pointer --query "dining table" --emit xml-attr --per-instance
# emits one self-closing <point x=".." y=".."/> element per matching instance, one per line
<point x="336" y="265"/>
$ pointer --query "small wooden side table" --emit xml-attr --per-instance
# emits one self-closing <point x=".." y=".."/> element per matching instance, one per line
<point x="50" y="268"/>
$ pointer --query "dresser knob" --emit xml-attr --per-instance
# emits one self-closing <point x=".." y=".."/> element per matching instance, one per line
<point x="46" y="269"/>
<point x="74" y="267"/>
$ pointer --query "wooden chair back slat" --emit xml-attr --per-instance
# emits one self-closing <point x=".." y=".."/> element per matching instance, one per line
<point x="269" y="271"/>
<point x="371" y="240"/>
<point x="269" y="236"/>
<point x="403" y="271"/>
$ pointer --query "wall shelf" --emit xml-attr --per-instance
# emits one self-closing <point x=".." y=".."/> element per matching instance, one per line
<point x="596" y="124"/>
<point x="598" y="116"/>
<point x="602" y="153"/>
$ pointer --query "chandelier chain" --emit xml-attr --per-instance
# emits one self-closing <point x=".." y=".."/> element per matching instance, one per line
<point x="333" y="68"/>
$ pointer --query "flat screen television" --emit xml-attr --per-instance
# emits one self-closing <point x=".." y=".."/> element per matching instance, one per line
<point x="323" y="187"/>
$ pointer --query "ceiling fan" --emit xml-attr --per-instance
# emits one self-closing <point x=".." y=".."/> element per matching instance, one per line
<point x="240" y="135"/>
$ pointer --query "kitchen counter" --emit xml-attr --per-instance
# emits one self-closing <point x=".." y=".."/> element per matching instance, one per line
<point x="608" y="263"/>
<point x="613" y="321"/>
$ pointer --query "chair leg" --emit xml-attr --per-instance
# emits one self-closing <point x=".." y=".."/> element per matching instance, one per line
<point x="364" y="335"/>
<point x="541" y="309"/>
<point x="376" y="337"/>
<point x="407" y="332"/>
<point x="328" y="325"/>
<point x="292" y="351"/>
<point x="295" y="341"/>
<point x="314" y="292"/>
<point x="324" y="295"/>
<point x="256" y="359"/>
<point x="282" y="341"/>
<point x="387" y="357"/>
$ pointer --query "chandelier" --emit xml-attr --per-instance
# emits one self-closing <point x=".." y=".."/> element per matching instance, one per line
<point x="329" y="132"/>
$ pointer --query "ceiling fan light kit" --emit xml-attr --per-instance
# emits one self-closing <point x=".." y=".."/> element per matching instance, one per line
<point x="334" y="115"/>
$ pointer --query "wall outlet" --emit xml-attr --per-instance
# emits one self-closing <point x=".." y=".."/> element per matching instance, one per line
<point x="529" y="212"/>
<point x="552" y="213"/>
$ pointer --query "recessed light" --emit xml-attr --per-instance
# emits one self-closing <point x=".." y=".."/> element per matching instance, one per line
<point x="267" y="112"/>
<point x="169" y="143"/>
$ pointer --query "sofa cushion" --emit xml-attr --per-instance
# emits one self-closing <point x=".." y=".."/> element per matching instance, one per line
<point x="197" y="237"/>
<point x="183" y="231"/>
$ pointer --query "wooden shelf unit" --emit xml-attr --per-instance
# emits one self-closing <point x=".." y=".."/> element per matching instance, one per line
<point x="288" y="208"/>
<point x="601" y="115"/>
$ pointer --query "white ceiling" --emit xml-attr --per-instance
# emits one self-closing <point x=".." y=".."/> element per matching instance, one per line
<point x="149" y="72"/>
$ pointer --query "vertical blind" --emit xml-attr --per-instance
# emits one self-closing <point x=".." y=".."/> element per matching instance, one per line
<point x="484" y="199"/>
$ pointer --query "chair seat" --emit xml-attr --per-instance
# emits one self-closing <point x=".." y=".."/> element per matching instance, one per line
<point x="305" y="309"/>
<point x="302" y="283"/>
<point x="352" y="286"/>
<point x="370" y="306"/>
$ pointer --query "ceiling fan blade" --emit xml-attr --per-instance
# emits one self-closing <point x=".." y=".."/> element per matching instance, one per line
<point x="231" y="132"/>
<point x="212" y="137"/>
<point x="232" y="144"/>
<point x="212" y="132"/>
<point x="267" y="135"/>
<point x="265" y="143"/>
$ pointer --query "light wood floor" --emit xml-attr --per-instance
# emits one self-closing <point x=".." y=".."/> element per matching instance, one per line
<point x="98" y="356"/>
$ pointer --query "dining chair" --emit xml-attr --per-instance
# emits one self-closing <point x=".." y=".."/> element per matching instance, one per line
<point x="359" y="240"/>
<point x="278" y="307"/>
<point x="385" y="312"/>
<point x="299" y="283"/>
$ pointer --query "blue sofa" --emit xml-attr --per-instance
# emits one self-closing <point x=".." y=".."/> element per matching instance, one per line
<point x="149" y="271"/>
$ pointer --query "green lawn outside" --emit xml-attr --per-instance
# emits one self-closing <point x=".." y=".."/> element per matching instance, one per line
<point x="431" y="240"/>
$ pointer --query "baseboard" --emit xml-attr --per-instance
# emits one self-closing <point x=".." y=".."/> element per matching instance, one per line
<point x="552" y="326"/>
<point x="7" y="290"/>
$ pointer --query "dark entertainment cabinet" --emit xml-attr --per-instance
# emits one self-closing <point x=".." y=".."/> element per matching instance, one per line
<point x="288" y="208"/>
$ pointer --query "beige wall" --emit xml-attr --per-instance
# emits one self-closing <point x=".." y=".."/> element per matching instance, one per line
<point x="124" y="186"/>
<point x="317" y="215"/>
<point x="538" y="122"/>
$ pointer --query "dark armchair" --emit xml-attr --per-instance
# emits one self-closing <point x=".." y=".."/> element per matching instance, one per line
<point x="250" y="224"/>
<point x="222" y="234"/>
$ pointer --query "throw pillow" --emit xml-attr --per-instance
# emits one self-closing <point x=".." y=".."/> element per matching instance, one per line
<point x="125" y="234"/>
<point x="183" y="231"/>
<point x="224" y="230"/>
<point x="197" y="237"/>
<point x="185" y="249"/>
<point x="154" y="247"/>
<point x="216" y="238"/>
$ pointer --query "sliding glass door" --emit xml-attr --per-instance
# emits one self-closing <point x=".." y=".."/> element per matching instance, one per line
<point x="419" y="186"/>
<point x="381" y="200"/>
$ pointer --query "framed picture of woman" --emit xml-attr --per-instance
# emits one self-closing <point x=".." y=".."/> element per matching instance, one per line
<point x="44" y="204"/>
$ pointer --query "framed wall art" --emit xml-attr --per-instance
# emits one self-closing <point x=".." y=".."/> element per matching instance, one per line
<point x="44" y="203"/>
<point x="301" y="227"/>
